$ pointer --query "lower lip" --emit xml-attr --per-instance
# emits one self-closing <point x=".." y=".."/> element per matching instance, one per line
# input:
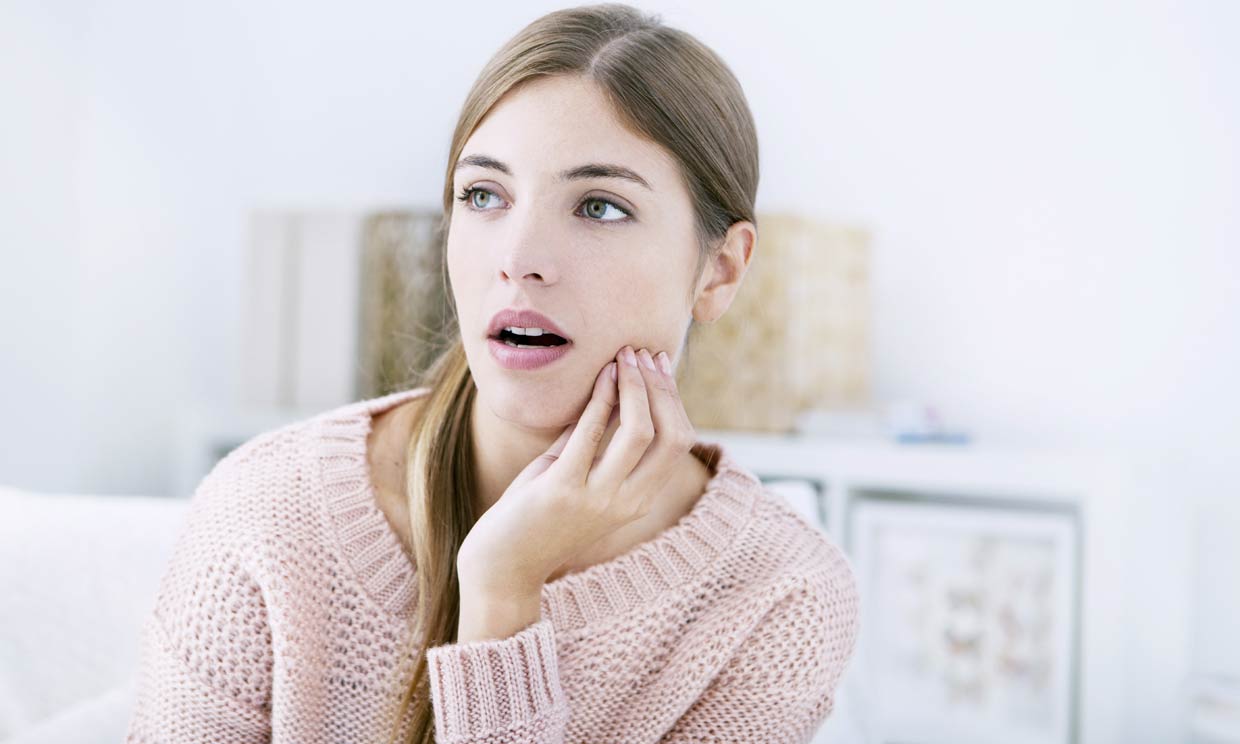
<point x="510" y="357"/>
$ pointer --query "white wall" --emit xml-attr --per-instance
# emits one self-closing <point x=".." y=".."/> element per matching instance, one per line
<point x="1052" y="186"/>
<point x="40" y="123"/>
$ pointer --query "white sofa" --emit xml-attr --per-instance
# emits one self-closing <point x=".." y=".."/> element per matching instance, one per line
<point x="78" y="574"/>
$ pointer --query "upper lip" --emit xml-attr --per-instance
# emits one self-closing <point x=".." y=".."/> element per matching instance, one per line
<point x="512" y="316"/>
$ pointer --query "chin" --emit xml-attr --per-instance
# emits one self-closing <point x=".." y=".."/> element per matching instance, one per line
<point x="529" y="402"/>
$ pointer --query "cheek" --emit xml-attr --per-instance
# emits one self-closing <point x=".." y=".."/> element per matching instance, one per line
<point x="652" y="291"/>
<point x="637" y="305"/>
<point x="636" y="284"/>
<point x="464" y="260"/>
<point x="465" y="282"/>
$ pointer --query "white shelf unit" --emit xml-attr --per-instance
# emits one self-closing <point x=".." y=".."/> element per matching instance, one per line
<point x="1093" y="492"/>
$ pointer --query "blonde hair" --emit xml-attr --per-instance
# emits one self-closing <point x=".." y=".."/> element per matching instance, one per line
<point x="665" y="86"/>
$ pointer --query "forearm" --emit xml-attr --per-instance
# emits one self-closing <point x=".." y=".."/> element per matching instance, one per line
<point x="487" y="616"/>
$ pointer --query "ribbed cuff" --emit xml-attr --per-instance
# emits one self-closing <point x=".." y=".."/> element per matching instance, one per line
<point x="509" y="684"/>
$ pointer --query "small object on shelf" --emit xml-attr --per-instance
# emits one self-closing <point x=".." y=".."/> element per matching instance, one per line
<point x="945" y="437"/>
<point x="913" y="422"/>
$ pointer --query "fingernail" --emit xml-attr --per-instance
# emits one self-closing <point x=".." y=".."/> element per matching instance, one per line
<point x="647" y="361"/>
<point x="629" y="357"/>
<point x="612" y="368"/>
<point x="664" y="364"/>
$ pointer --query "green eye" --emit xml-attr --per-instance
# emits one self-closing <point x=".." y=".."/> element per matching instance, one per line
<point x="600" y="207"/>
<point x="467" y="196"/>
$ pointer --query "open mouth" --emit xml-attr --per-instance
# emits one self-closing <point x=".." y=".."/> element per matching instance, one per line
<point x="530" y="341"/>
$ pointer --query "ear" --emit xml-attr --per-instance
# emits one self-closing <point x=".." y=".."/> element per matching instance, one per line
<point x="722" y="275"/>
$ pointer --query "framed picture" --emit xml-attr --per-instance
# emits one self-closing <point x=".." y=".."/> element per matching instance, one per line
<point x="970" y="616"/>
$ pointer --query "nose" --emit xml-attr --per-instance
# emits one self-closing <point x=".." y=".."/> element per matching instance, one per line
<point x="511" y="270"/>
<point x="527" y="256"/>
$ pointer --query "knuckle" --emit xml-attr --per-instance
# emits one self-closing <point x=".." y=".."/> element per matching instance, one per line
<point x="685" y="440"/>
<point x="595" y="432"/>
<point x="643" y="434"/>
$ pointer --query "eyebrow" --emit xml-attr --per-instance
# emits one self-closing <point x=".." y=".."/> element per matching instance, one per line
<point x="589" y="170"/>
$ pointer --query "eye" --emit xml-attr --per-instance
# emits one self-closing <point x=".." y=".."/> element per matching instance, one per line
<point x="467" y="196"/>
<point x="602" y="210"/>
<point x="596" y="207"/>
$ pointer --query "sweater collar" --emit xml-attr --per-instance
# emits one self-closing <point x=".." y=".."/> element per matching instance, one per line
<point x="637" y="576"/>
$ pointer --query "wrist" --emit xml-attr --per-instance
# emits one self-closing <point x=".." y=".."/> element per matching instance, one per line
<point x="490" y="615"/>
<point x="479" y="580"/>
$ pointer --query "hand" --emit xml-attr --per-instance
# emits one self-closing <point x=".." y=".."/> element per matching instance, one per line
<point x="571" y="496"/>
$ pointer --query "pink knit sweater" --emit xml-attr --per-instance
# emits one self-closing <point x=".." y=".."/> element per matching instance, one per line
<point x="284" y="609"/>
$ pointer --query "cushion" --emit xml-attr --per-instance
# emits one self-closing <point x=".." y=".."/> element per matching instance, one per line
<point x="78" y="573"/>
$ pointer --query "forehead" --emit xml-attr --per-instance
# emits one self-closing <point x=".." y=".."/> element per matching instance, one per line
<point x="549" y="124"/>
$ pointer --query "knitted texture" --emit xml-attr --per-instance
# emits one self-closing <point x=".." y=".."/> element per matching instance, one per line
<point x="284" y="611"/>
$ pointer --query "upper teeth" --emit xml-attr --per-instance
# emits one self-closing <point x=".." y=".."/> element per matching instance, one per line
<point x="525" y="331"/>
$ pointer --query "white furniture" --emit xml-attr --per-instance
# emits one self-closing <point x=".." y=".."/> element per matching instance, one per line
<point x="1126" y="625"/>
<point x="78" y="575"/>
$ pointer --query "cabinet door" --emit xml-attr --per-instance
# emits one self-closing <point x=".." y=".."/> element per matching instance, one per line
<point x="969" y="621"/>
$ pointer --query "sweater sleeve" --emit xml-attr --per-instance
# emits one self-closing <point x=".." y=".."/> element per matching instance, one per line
<point x="205" y="662"/>
<point x="176" y="703"/>
<point x="500" y="691"/>
<point x="780" y="686"/>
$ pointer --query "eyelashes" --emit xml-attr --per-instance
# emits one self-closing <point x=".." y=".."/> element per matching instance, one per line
<point x="466" y="196"/>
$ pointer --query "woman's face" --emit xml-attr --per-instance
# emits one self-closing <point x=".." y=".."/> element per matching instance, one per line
<point x="609" y="260"/>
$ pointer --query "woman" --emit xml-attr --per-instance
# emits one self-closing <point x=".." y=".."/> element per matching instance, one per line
<point x="532" y="546"/>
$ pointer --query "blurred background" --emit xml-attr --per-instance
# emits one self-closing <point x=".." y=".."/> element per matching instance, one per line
<point x="1019" y="221"/>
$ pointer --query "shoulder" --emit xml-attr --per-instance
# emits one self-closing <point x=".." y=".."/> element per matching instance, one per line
<point x="806" y="587"/>
<point x="809" y="589"/>
<point x="790" y="548"/>
<point x="264" y="482"/>
<point x="784" y="575"/>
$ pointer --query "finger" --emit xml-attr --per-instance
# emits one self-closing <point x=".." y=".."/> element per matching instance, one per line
<point x="634" y="435"/>
<point x="558" y="445"/>
<point x="582" y="445"/>
<point x="545" y="460"/>
<point x="536" y="467"/>
<point x="674" y="435"/>
<point x="612" y="422"/>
